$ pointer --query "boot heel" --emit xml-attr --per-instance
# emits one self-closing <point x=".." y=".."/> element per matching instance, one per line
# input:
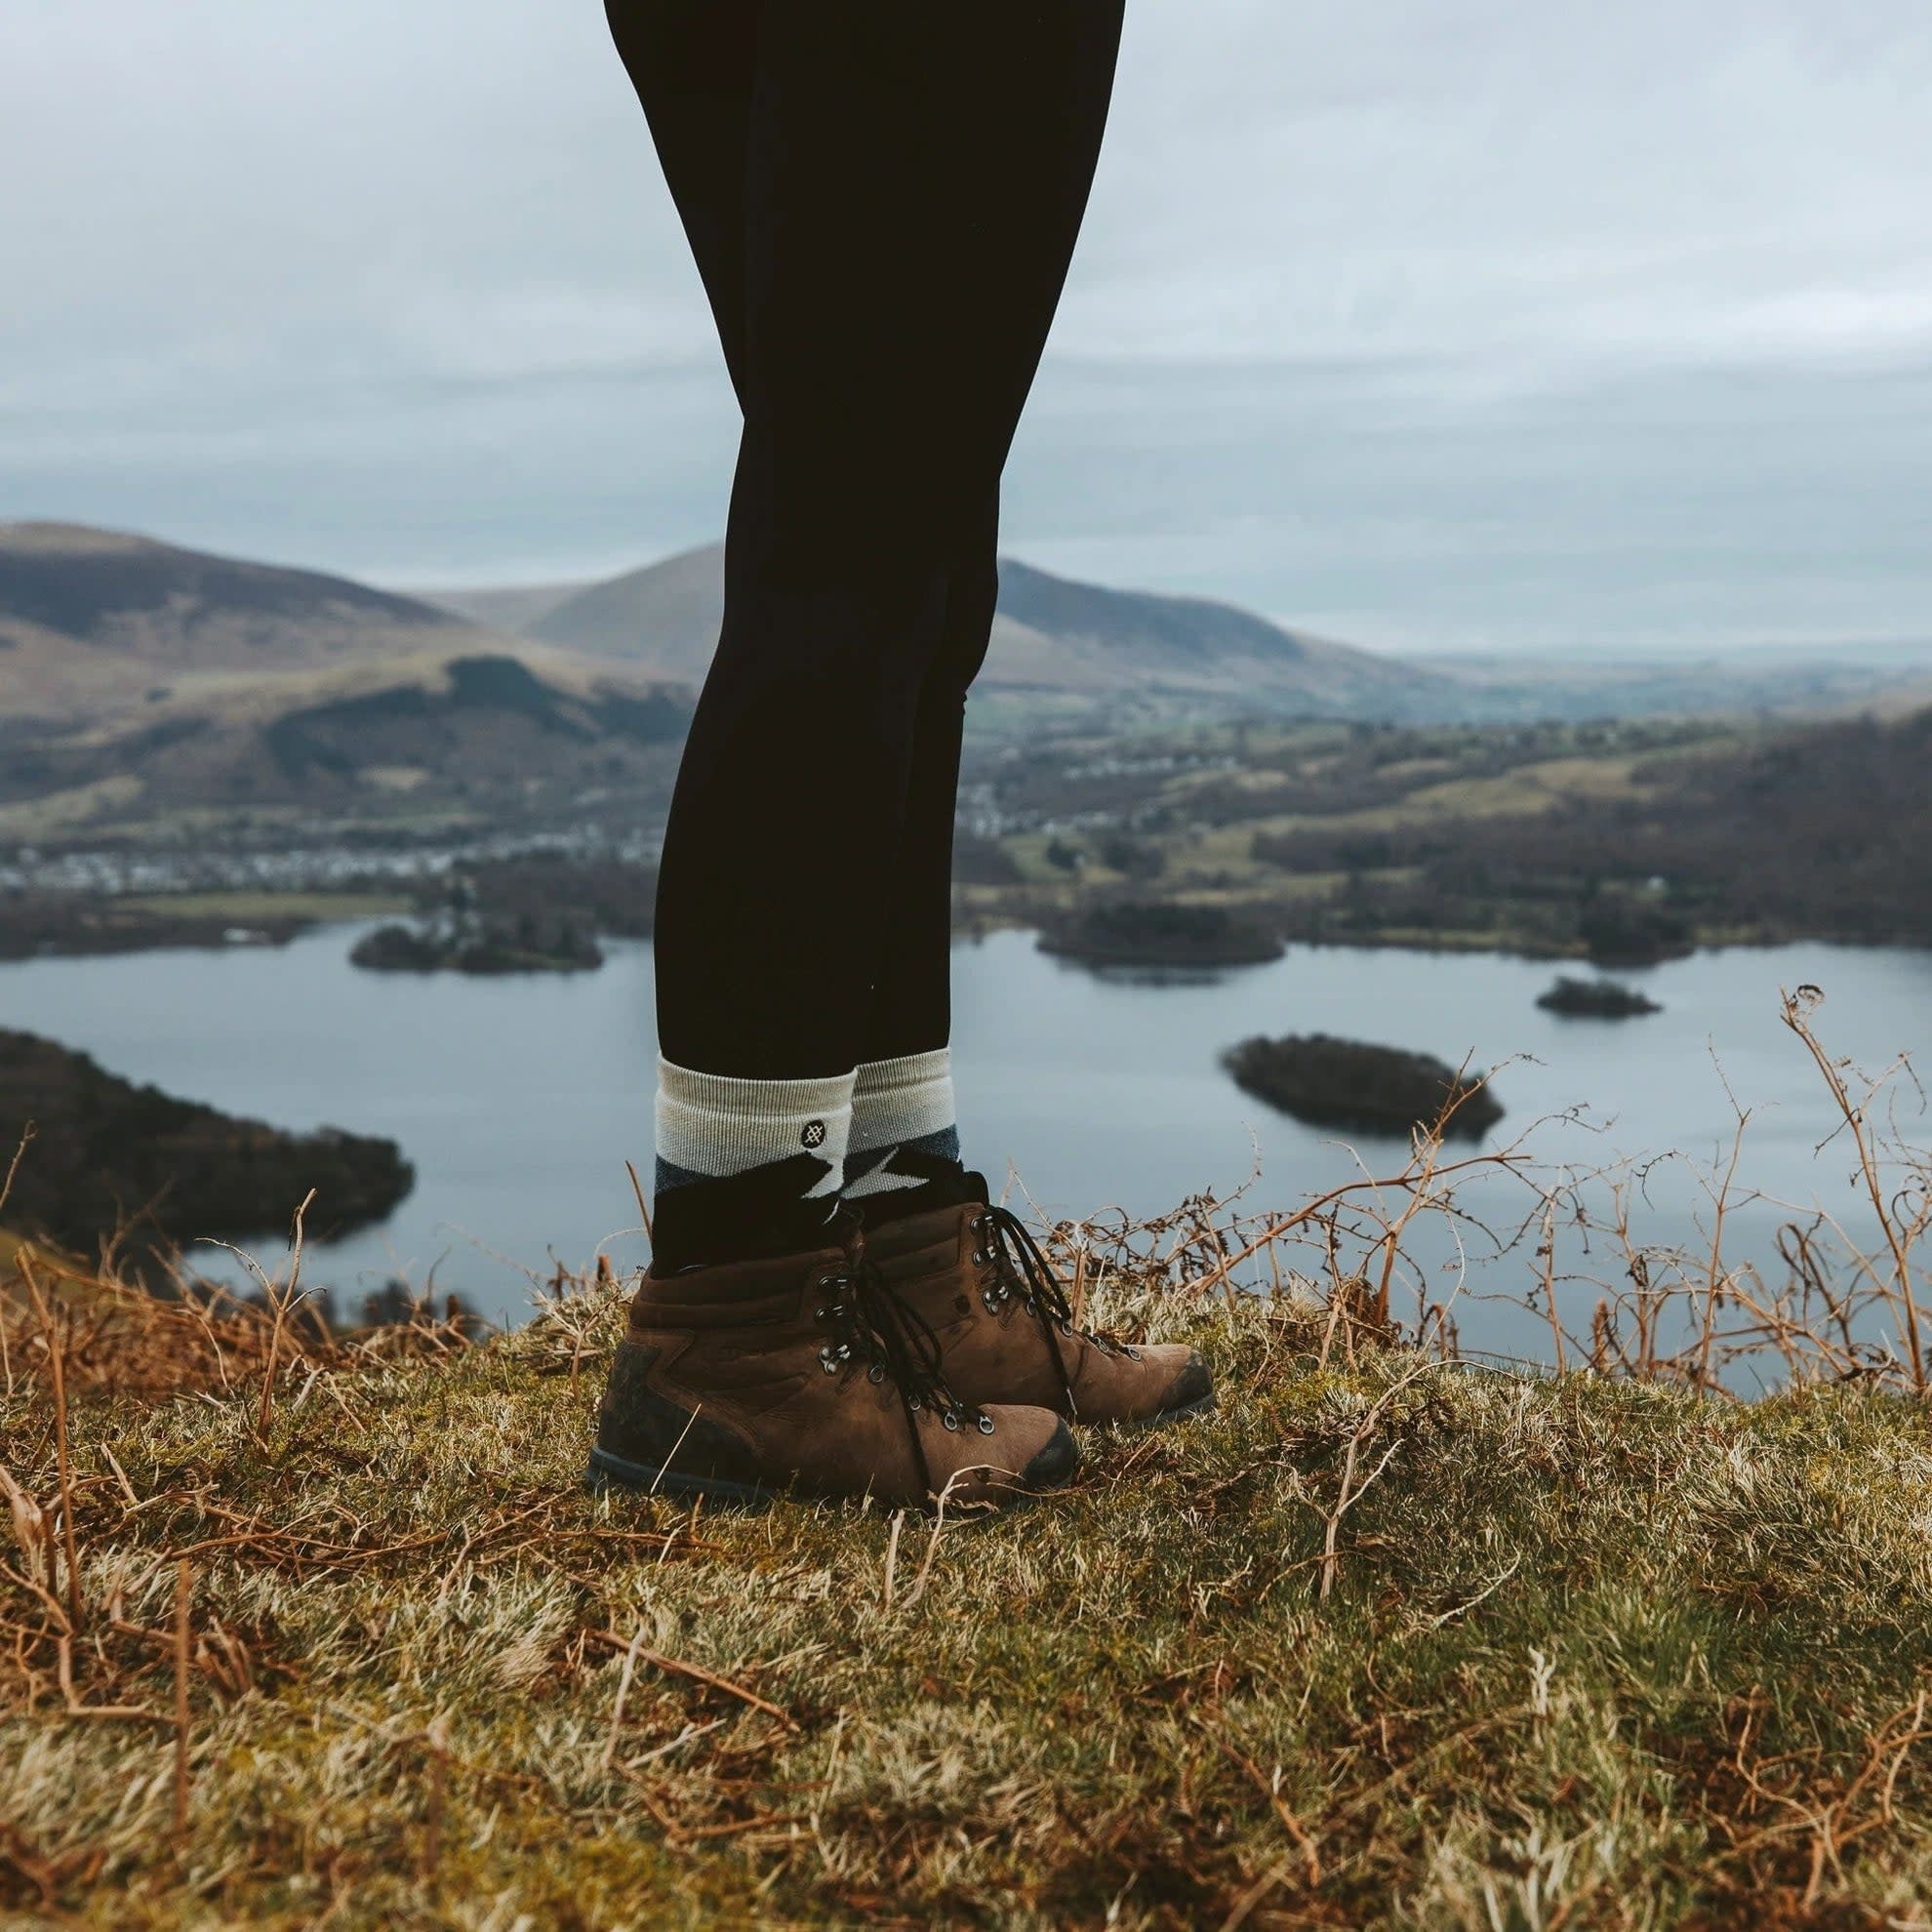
<point x="607" y="1472"/>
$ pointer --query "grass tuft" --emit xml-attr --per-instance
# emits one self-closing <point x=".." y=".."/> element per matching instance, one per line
<point x="300" y="1628"/>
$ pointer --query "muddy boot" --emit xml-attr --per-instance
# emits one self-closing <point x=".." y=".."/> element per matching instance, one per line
<point x="980" y="1280"/>
<point x="739" y="1381"/>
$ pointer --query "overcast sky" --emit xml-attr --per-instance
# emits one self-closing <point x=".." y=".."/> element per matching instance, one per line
<point x="1426" y="323"/>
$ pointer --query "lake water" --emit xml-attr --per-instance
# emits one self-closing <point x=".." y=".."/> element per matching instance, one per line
<point x="519" y="1100"/>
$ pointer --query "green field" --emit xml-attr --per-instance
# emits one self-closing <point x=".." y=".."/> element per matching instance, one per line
<point x="240" y="907"/>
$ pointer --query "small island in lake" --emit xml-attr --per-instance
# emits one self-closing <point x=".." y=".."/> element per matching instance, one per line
<point x="1363" y="1088"/>
<point x="107" y="1155"/>
<point x="1135" y="932"/>
<point x="486" y="946"/>
<point x="1596" y="999"/>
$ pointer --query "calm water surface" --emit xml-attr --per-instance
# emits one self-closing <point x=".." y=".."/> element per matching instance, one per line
<point x="519" y="1100"/>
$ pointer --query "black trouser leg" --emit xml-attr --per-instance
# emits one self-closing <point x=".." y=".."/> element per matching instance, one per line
<point x="911" y="1006"/>
<point x="882" y="197"/>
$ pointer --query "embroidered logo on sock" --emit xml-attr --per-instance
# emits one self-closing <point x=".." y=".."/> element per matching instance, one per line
<point x="814" y="1135"/>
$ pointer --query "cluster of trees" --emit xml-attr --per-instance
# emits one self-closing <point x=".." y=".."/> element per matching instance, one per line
<point x="107" y="1155"/>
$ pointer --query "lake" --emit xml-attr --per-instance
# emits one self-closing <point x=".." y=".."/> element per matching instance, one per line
<point x="519" y="1100"/>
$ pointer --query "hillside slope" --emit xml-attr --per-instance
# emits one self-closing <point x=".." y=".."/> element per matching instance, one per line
<point x="88" y="617"/>
<point x="468" y="739"/>
<point x="1384" y="1642"/>
<point x="1052" y="634"/>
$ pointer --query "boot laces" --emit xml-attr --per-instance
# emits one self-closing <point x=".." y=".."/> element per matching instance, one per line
<point x="1018" y="1267"/>
<point x="870" y="1326"/>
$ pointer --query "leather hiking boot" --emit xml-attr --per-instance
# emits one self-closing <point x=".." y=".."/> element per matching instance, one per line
<point x="1005" y="1327"/>
<point x="739" y="1381"/>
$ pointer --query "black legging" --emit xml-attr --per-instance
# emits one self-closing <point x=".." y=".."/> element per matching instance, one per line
<point x="882" y="196"/>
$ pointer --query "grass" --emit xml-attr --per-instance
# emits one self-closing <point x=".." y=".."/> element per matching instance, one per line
<point x="242" y="907"/>
<point x="301" y="1630"/>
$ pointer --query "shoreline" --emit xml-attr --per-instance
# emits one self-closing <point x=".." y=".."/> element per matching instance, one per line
<point x="89" y="925"/>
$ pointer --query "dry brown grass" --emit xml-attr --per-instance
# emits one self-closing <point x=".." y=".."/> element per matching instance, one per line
<point x="307" y="1630"/>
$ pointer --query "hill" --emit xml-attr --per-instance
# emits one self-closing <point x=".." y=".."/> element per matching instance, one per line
<point x="1138" y="654"/>
<point x="481" y="740"/>
<point x="95" y="619"/>
<point x="664" y="616"/>
<point x="305" y="1626"/>
<point x="1052" y="634"/>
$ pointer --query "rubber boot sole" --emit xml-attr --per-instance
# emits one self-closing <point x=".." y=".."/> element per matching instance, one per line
<point x="1200" y="1406"/>
<point x="607" y="1472"/>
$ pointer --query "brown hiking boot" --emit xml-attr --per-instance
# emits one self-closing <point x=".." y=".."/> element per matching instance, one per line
<point x="1006" y="1330"/>
<point x="738" y="1380"/>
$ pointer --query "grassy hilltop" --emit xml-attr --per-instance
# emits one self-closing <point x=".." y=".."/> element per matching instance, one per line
<point x="306" y="1630"/>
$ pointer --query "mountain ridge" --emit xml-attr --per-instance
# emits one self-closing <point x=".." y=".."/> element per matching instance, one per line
<point x="1051" y="633"/>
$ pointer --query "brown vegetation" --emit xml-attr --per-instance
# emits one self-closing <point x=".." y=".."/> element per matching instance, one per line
<point x="298" y="1629"/>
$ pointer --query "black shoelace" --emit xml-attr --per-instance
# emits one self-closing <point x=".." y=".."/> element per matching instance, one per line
<point x="1006" y="1246"/>
<point x="872" y="1328"/>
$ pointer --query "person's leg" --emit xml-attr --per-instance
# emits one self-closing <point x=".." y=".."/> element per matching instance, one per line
<point x="902" y="1154"/>
<point x="749" y="1164"/>
<point x="905" y="221"/>
<point x="904" y="1150"/>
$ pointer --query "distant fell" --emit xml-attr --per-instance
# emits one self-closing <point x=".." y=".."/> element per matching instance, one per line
<point x="1052" y="634"/>
<point x="665" y="616"/>
<point x="116" y="590"/>
<point x="87" y="616"/>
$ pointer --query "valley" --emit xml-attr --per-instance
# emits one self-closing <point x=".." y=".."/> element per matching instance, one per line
<point x="179" y="729"/>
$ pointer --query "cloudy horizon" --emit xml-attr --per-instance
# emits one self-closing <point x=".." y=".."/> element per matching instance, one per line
<point x="1533" y="326"/>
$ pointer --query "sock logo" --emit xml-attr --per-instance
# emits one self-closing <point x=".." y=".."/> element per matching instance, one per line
<point x="814" y="1135"/>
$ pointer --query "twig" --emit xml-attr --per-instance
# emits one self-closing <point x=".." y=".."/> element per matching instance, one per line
<point x="638" y="1189"/>
<point x="57" y="1369"/>
<point x="892" y="1553"/>
<point x="1796" y="1007"/>
<point x="678" y="1668"/>
<point x="13" y="1166"/>
<point x="183" y="1586"/>
<point x="623" y="1691"/>
<point x="282" y="1304"/>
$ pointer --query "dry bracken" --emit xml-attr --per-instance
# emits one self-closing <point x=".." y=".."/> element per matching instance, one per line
<point x="307" y="1630"/>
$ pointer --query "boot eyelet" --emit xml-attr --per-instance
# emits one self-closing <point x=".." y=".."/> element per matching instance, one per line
<point x="986" y="1423"/>
<point x="1133" y="1354"/>
<point x="952" y="1420"/>
<point x="914" y="1402"/>
<point x="875" y="1373"/>
<point x="829" y="1361"/>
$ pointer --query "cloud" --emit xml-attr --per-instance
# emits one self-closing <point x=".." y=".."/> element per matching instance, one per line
<point x="251" y="243"/>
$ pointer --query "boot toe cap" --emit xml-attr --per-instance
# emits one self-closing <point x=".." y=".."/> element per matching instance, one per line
<point x="1053" y="1463"/>
<point x="1192" y="1388"/>
<point x="1187" y="1389"/>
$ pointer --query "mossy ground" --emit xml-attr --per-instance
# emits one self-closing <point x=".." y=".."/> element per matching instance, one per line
<point x="1590" y="1653"/>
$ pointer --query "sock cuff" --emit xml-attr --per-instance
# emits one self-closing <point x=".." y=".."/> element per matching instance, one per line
<point x="712" y="1125"/>
<point x="895" y="1101"/>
